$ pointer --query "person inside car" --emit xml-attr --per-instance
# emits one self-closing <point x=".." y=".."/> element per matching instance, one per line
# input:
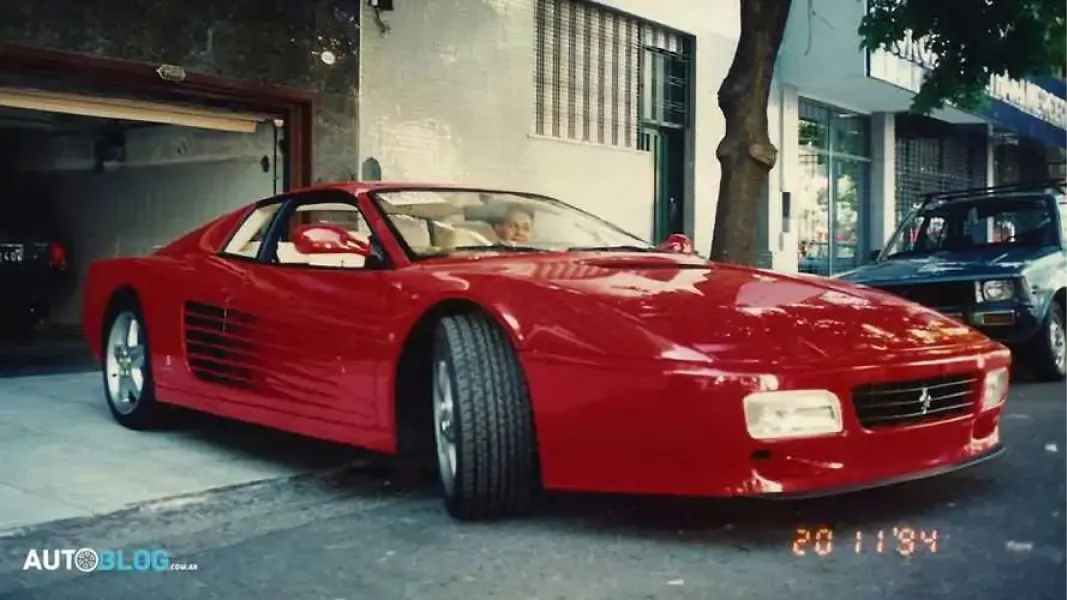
<point x="516" y="226"/>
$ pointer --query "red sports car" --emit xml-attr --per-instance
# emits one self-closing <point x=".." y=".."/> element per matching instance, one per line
<point x="529" y="344"/>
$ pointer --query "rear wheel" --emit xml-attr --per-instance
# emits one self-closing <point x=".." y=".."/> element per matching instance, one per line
<point x="127" y="368"/>
<point x="483" y="422"/>
<point x="1050" y="347"/>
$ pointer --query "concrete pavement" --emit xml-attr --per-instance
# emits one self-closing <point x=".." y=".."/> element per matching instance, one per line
<point x="62" y="456"/>
<point x="359" y="533"/>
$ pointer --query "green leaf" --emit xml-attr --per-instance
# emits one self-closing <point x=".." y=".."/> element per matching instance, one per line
<point x="973" y="40"/>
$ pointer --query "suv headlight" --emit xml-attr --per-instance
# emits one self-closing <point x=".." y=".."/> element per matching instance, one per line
<point x="995" y="387"/>
<point x="994" y="291"/>
<point x="792" y="414"/>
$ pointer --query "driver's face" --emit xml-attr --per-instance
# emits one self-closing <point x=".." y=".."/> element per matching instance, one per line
<point x="517" y="227"/>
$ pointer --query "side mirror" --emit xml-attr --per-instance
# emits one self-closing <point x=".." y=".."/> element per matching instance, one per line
<point x="873" y="256"/>
<point x="677" y="243"/>
<point x="327" y="238"/>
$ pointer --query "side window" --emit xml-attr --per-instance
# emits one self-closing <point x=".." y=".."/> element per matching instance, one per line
<point x="343" y="214"/>
<point x="935" y="233"/>
<point x="249" y="235"/>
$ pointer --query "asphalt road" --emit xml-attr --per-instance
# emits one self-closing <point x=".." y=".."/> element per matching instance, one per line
<point x="361" y="533"/>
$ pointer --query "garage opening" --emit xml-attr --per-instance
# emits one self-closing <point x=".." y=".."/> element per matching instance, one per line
<point x="91" y="177"/>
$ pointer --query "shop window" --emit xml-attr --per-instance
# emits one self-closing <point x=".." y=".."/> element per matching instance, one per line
<point x="850" y="135"/>
<point x="830" y="205"/>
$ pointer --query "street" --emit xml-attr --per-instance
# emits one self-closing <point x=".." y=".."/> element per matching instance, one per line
<point x="994" y="532"/>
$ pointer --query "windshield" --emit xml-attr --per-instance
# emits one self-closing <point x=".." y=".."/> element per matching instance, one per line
<point x="435" y="222"/>
<point x="962" y="225"/>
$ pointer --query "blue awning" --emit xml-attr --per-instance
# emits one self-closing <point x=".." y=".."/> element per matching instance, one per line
<point x="1025" y="124"/>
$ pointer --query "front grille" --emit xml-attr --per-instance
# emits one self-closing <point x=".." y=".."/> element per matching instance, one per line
<point x="956" y="294"/>
<point x="910" y="402"/>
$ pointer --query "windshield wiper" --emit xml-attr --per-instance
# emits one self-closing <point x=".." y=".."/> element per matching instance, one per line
<point x="496" y="248"/>
<point x="611" y="249"/>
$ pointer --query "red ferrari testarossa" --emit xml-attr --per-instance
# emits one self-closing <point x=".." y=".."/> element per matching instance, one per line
<point x="529" y="344"/>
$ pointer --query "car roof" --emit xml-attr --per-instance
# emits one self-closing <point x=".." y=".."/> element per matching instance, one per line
<point x="1036" y="188"/>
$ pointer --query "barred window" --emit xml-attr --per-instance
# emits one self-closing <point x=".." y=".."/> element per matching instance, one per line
<point x="587" y="76"/>
<point x="600" y="75"/>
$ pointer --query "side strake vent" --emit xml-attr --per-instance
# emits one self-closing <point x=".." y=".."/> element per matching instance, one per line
<point x="218" y="346"/>
<point x="236" y="349"/>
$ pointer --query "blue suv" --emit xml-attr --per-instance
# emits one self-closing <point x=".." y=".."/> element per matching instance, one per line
<point x="993" y="258"/>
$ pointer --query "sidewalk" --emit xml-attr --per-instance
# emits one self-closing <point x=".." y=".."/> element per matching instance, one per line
<point x="62" y="456"/>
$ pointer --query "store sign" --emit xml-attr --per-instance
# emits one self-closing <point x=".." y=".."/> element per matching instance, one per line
<point x="1028" y="97"/>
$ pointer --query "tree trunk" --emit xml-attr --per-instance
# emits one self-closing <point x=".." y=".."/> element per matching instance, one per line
<point x="746" y="152"/>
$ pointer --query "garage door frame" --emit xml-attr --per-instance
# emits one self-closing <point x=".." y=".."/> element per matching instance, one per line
<point x="295" y="106"/>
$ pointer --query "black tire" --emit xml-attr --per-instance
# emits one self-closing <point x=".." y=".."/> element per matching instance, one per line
<point x="145" y="412"/>
<point x="1050" y="360"/>
<point x="496" y="467"/>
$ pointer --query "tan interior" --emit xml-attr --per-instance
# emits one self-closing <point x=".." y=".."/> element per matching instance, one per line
<point x="288" y="255"/>
<point x="472" y="233"/>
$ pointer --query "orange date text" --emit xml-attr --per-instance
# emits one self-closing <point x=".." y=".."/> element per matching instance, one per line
<point x="905" y="541"/>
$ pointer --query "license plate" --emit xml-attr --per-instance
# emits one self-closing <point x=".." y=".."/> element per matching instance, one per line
<point x="11" y="253"/>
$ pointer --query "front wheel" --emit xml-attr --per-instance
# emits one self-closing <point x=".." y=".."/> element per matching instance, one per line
<point x="1050" y="347"/>
<point x="483" y="422"/>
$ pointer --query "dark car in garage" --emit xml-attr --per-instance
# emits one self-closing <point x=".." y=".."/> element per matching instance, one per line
<point x="33" y="264"/>
<point x="994" y="258"/>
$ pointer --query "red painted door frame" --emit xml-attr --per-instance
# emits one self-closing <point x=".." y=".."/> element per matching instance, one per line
<point x="294" y="106"/>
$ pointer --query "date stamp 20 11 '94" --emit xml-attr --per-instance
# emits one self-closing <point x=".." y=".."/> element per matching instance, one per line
<point x="904" y="541"/>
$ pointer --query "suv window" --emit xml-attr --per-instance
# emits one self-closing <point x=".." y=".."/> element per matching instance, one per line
<point x="967" y="224"/>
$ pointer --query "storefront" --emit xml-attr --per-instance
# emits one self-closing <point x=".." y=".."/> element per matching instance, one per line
<point x="854" y="161"/>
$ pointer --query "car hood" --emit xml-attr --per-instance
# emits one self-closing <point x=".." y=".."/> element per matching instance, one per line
<point x="736" y="313"/>
<point x="981" y="263"/>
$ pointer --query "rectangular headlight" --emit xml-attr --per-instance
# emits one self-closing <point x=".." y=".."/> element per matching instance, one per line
<point x="792" y="414"/>
<point x="995" y="388"/>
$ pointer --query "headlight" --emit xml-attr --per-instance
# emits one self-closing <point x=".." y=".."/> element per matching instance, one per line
<point x="792" y="414"/>
<point x="993" y="291"/>
<point x="995" y="388"/>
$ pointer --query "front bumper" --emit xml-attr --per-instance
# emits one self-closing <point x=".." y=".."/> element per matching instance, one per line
<point x="680" y="430"/>
<point x="996" y="451"/>
<point x="1008" y="322"/>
